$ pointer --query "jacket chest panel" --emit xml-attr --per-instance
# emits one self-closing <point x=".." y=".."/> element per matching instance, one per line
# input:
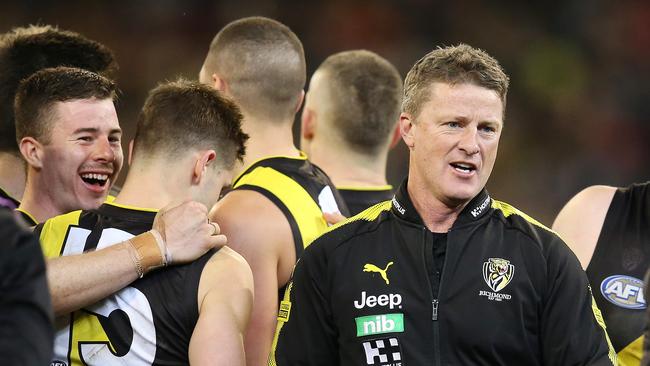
<point x="379" y="303"/>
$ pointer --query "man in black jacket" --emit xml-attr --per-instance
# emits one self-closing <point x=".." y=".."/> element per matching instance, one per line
<point x="443" y="274"/>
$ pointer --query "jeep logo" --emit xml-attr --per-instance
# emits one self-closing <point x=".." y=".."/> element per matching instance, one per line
<point x="390" y="300"/>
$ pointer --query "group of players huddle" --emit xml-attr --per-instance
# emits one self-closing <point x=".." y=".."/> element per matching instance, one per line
<point x="143" y="277"/>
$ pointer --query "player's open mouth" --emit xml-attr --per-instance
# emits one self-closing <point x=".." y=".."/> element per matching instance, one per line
<point x="94" y="179"/>
<point x="465" y="168"/>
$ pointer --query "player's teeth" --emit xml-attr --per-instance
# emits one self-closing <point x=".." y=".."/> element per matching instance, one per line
<point x="95" y="176"/>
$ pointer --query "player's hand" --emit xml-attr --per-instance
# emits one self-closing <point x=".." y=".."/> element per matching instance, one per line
<point x="187" y="232"/>
<point x="333" y="217"/>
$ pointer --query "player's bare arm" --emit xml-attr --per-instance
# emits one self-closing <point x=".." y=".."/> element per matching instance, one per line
<point x="80" y="280"/>
<point x="259" y="231"/>
<point x="581" y="219"/>
<point x="225" y="300"/>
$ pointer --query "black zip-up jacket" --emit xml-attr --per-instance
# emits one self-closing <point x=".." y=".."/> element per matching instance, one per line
<point x="511" y="293"/>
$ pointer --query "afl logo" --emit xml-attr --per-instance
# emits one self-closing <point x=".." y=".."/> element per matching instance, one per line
<point x="624" y="291"/>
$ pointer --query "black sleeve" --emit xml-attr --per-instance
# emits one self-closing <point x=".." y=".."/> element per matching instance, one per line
<point x="306" y="334"/>
<point x="26" y="326"/>
<point x="573" y="330"/>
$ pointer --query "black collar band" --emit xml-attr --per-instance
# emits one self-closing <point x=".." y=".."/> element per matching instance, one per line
<point x="403" y="207"/>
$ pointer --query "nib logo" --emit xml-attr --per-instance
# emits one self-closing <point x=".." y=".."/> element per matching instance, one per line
<point x="379" y="324"/>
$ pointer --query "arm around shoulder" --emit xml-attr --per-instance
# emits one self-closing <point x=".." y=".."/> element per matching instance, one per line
<point x="77" y="280"/>
<point x="581" y="219"/>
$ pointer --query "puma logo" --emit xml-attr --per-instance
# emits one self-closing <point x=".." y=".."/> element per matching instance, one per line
<point x="372" y="268"/>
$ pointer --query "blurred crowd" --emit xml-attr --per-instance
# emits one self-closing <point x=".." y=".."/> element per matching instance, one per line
<point x="578" y="106"/>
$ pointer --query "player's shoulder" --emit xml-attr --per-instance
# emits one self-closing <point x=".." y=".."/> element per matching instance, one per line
<point x="242" y="202"/>
<point x="597" y="197"/>
<point x="585" y="211"/>
<point x="245" y="207"/>
<point x="248" y="213"/>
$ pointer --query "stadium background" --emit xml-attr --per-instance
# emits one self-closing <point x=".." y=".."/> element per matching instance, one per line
<point x="579" y="100"/>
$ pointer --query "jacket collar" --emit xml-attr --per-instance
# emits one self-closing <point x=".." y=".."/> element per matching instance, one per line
<point x="403" y="207"/>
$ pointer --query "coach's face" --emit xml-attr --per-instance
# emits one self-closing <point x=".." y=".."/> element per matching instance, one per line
<point x="453" y="141"/>
<point x="84" y="153"/>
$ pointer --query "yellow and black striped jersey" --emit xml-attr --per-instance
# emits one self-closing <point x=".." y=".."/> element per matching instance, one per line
<point x="301" y="190"/>
<point x="617" y="268"/>
<point x="149" y="322"/>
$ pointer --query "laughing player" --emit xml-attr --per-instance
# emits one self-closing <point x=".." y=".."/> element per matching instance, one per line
<point x="67" y="131"/>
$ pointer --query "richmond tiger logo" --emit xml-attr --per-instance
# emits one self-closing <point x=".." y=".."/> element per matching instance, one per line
<point x="498" y="273"/>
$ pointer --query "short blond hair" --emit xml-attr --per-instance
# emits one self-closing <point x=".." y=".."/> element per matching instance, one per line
<point x="452" y="65"/>
<point x="263" y="62"/>
<point x="365" y="91"/>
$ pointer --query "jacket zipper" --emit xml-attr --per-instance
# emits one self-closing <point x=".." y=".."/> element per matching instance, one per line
<point x="434" y="299"/>
<point x="436" y="330"/>
<point x="434" y="303"/>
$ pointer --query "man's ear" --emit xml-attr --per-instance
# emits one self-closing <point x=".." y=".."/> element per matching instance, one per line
<point x="32" y="151"/>
<point x="407" y="129"/>
<point x="205" y="159"/>
<point x="308" y="123"/>
<point x="219" y="83"/>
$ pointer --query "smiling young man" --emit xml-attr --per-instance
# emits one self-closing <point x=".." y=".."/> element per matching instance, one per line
<point x="443" y="274"/>
<point x="68" y="132"/>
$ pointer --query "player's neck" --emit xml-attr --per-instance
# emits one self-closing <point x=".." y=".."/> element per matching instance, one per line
<point x="13" y="175"/>
<point x="151" y="187"/>
<point x="349" y="168"/>
<point x="268" y="139"/>
<point x="437" y="216"/>
<point x="38" y="202"/>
